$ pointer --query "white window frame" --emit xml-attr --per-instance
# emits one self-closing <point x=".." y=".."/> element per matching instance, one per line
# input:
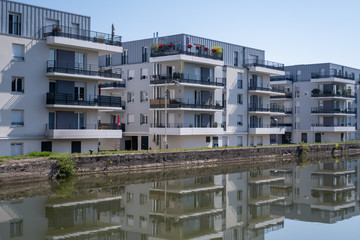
<point x="15" y="122"/>
<point x="16" y="80"/>
<point x="18" y="52"/>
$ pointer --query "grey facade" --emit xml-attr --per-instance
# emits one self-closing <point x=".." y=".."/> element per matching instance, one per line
<point x="34" y="18"/>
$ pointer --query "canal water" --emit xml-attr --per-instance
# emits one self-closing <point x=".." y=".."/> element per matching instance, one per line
<point x="311" y="201"/>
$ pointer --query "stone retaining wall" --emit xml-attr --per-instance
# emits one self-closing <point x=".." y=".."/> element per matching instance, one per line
<point x="145" y="161"/>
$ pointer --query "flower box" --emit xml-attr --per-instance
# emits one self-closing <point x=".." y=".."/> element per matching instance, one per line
<point x="206" y="48"/>
<point x="161" y="46"/>
<point x="189" y="46"/>
<point x="214" y="50"/>
<point x="198" y="47"/>
<point x="171" y="45"/>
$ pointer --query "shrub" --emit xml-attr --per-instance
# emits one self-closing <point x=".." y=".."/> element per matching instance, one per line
<point x="66" y="165"/>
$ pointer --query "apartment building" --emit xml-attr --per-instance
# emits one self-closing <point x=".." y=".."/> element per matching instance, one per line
<point x="50" y="99"/>
<point x="185" y="91"/>
<point x="325" y="96"/>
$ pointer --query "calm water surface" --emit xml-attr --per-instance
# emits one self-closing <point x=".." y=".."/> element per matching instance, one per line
<point x="315" y="201"/>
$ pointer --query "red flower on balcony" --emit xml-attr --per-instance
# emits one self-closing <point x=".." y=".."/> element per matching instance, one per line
<point x="214" y="50"/>
<point x="206" y="48"/>
<point x="161" y="46"/>
<point x="198" y="47"/>
<point x="189" y="46"/>
<point x="171" y="45"/>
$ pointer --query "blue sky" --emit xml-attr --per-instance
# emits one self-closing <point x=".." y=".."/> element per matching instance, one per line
<point x="290" y="31"/>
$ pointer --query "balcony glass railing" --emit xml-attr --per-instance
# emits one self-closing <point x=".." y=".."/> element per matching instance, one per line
<point x="186" y="78"/>
<point x="253" y="108"/>
<point x="81" y="34"/>
<point x="89" y="100"/>
<point x="174" y="49"/>
<point x="266" y="88"/>
<point x="264" y="63"/>
<point x="333" y="125"/>
<point x="184" y="125"/>
<point x="184" y="103"/>
<point x="331" y="74"/>
<point x="333" y="110"/>
<point x="263" y="126"/>
<point x="339" y="94"/>
<point x="113" y="85"/>
<point x="275" y="125"/>
<point x="101" y="126"/>
<point x="82" y="69"/>
<point x="282" y="78"/>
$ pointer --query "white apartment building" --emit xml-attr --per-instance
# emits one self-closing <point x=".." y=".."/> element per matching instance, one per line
<point x="50" y="99"/>
<point x="185" y="91"/>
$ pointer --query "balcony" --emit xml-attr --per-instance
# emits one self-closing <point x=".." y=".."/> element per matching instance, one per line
<point x="340" y="95"/>
<point x="266" y="89"/>
<point x="281" y="80"/>
<point x="81" y="71"/>
<point x="265" y="129"/>
<point x="331" y="77"/>
<point x="185" y="129"/>
<point x="82" y="39"/>
<point x="186" y="103"/>
<point x="186" y="79"/>
<point x="334" y="111"/>
<point x="265" y="110"/>
<point x="89" y="131"/>
<point x="286" y="97"/>
<point x="65" y="100"/>
<point x="113" y="85"/>
<point x="265" y="67"/>
<point x="320" y="127"/>
<point x="173" y="52"/>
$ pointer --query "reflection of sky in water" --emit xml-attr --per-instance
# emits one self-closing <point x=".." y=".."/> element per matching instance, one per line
<point x="347" y="229"/>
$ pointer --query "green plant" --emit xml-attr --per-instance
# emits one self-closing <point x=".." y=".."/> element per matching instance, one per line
<point x="66" y="165"/>
<point x="35" y="154"/>
<point x="336" y="146"/>
<point x="190" y="125"/>
<point x="217" y="51"/>
<point x="338" y="91"/>
<point x="315" y="91"/>
<point x="215" y="124"/>
<point x="65" y="189"/>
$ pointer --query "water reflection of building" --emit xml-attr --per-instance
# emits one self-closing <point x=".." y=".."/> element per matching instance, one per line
<point x="187" y="208"/>
<point x="249" y="200"/>
<point x="324" y="192"/>
<point x="85" y="215"/>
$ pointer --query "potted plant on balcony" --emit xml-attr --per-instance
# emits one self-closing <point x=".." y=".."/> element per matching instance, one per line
<point x="315" y="91"/>
<point x="215" y="124"/>
<point x="56" y="30"/>
<point x="338" y="92"/>
<point x="206" y="49"/>
<point x="348" y="91"/>
<point x="217" y="51"/>
<point x="189" y="45"/>
<point x="171" y="46"/>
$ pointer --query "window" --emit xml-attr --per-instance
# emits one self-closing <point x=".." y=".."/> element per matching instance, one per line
<point x="130" y="118"/>
<point x="240" y="99"/>
<point x="108" y="60"/>
<point x="143" y="222"/>
<point x="239" y="195"/>
<point x="239" y="81"/>
<point x="130" y="220"/>
<point x="125" y="57"/>
<point x="130" y="97"/>
<point x="15" y="23"/>
<point x="17" y="117"/>
<point x="239" y="213"/>
<point x="143" y="73"/>
<point x="143" y="96"/>
<point x="240" y="120"/>
<point x="80" y="61"/>
<point x="144" y="54"/>
<point x="17" y="84"/>
<point x="18" y="52"/>
<point x="298" y="74"/>
<point x="16" y="149"/>
<point x="131" y="74"/>
<point x="208" y="139"/>
<point x="143" y="119"/>
<point x="16" y="228"/>
<point x="143" y="199"/>
<point x="236" y="58"/>
<point x="239" y="140"/>
<point x="129" y="197"/>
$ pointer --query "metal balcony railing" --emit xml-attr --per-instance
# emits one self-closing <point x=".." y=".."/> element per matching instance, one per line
<point x="186" y="78"/>
<point x="82" y="69"/>
<point x="81" y="34"/>
<point x="259" y="108"/>
<point x="88" y="100"/>
<point x="183" y="125"/>
<point x="282" y="78"/>
<point x="331" y="74"/>
<point x="174" y="49"/>
<point x="101" y="126"/>
<point x="266" y="88"/>
<point x="333" y="125"/>
<point x="184" y="103"/>
<point x="334" y="110"/>
<point x="113" y="85"/>
<point x="344" y="95"/>
<point x="264" y="63"/>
